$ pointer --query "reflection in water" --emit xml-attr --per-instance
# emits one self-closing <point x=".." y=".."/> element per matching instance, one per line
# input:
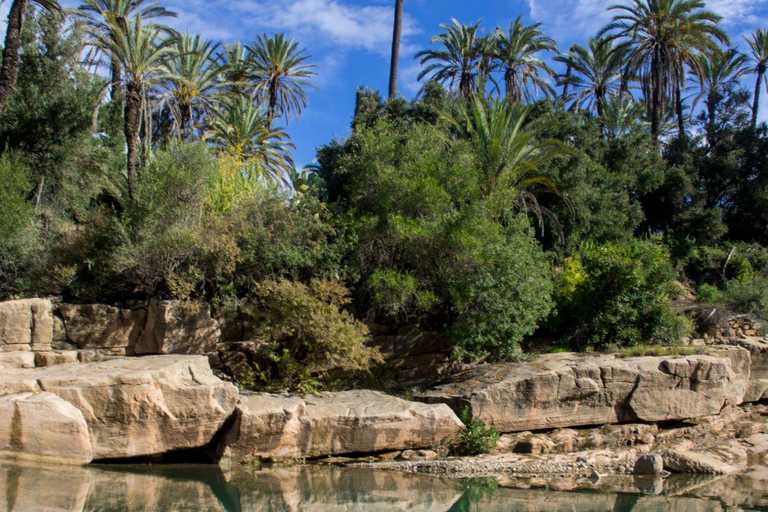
<point x="331" y="489"/>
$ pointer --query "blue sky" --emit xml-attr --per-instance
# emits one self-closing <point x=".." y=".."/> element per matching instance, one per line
<point x="350" y="40"/>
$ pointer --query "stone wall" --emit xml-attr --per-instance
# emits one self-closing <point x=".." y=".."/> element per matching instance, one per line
<point x="137" y="328"/>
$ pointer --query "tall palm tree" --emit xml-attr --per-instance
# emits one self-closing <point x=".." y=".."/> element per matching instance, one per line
<point x="620" y="113"/>
<point x="10" y="67"/>
<point x="192" y="78"/>
<point x="715" y="73"/>
<point x="518" y="59"/>
<point x="103" y="16"/>
<point x="142" y="53"/>
<point x="281" y="75"/>
<point x="240" y="127"/>
<point x="487" y="47"/>
<point x="659" y="34"/>
<point x="458" y="63"/>
<point x="758" y="57"/>
<point x="395" y="61"/>
<point x="596" y="73"/>
<point x="509" y="159"/>
<point x="234" y="65"/>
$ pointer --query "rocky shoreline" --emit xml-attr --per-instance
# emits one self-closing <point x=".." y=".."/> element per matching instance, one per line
<point x="570" y="416"/>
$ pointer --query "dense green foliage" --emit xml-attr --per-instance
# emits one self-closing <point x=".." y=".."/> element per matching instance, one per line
<point x="305" y="333"/>
<point x="491" y="211"/>
<point x="617" y="294"/>
<point x="477" y="438"/>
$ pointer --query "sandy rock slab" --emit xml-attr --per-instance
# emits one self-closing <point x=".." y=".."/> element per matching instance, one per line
<point x="350" y="422"/>
<point x="26" y="325"/>
<point x="570" y="390"/>
<point x="136" y="406"/>
<point x="41" y="427"/>
<point x="724" y="460"/>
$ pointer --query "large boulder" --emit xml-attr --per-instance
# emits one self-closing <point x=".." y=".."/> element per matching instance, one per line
<point x="17" y="360"/>
<point x="96" y="326"/>
<point x="42" y="427"/>
<point x="176" y="328"/>
<point x="350" y="422"/>
<point x="724" y="460"/>
<point x="137" y="406"/>
<point x="758" y="379"/>
<point x="568" y="390"/>
<point x="26" y="325"/>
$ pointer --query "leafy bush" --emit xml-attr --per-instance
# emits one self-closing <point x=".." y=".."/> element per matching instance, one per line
<point x="16" y="213"/>
<point x="305" y="332"/>
<point x="747" y="295"/>
<point x="476" y="438"/>
<point x="617" y="294"/>
<point x="426" y="247"/>
<point x="500" y="290"/>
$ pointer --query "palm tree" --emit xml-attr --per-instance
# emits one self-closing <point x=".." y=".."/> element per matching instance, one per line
<point x="141" y="52"/>
<point x="193" y="77"/>
<point x="508" y="158"/>
<point x="458" y="63"/>
<point x="281" y="76"/>
<point x="234" y="63"/>
<point x="10" y="67"/>
<point x="596" y="73"/>
<point x="517" y="54"/>
<point x="487" y="46"/>
<point x="396" y="35"/>
<point x="715" y="73"/>
<point x="620" y="113"/>
<point x="758" y="57"/>
<point x="103" y="16"/>
<point x="659" y="36"/>
<point x="240" y="127"/>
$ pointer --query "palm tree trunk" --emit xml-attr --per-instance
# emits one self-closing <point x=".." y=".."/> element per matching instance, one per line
<point x="567" y="81"/>
<point x="395" y="48"/>
<point x="186" y="116"/>
<point x="679" y="108"/>
<point x="132" y="127"/>
<point x="10" y="70"/>
<point x="117" y="75"/>
<point x="656" y="95"/>
<point x="711" y="113"/>
<point x="509" y="84"/>
<point x="272" y="108"/>
<point x="756" y="100"/>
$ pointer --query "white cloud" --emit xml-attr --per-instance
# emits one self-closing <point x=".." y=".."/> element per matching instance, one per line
<point x="329" y="23"/>
<point x="408" y="77"/>
<point x="575" y="20"/>
<point x="736" y="11"/>
<point x="571" y="20"/>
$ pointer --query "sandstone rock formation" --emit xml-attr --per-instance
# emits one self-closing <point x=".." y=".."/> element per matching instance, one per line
<point x="42" y="427"/>
<point x="350" y="422"/>
<point x="26" y="325"/>
<point x="102" y="327"/>
<point x="17" y="360"/>
<point x="758" y="380"/>
<point x="560" y="390"/>
<point x="136" y="406"/>
<point x="649" y="464"/>
<point x="710" y="462"/>
<point x="173" y="328"/>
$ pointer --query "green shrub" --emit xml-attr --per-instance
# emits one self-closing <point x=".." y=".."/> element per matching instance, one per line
<point x="476" y="438"/>
<point x="617" y="294"/>
<point x="500" y="290"/>
<point x="15" y="211"/>
<point x="748" y="295"/>
<point x="305" y="333"/>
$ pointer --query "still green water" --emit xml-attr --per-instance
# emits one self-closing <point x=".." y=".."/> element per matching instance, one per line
<point x="325" y="488"/>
